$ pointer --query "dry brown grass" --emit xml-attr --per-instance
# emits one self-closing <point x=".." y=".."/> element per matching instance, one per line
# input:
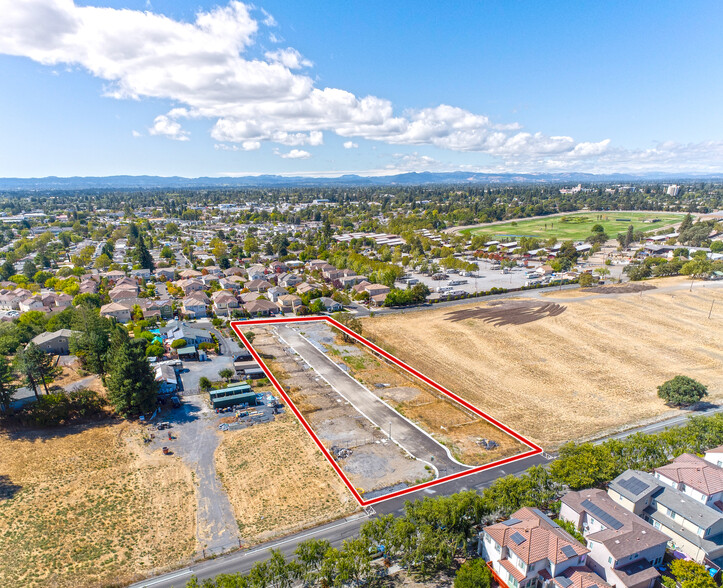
<point x="278" y="481"/>
<point x="91" y="508"/>
<point x="593" y="368"/>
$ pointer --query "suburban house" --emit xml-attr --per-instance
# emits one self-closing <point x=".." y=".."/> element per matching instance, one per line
<point x="114" y="275"/>
<point x="530" y="550"/>
<point x="623" y="548"/>
<point x="715" y="456"/>
<point x="116" y="311"/>
<point x="256" y="272"/>
<point x="234" y="271"/>
<point x="259" y="285"/>
<point x="190" y="335"/>
<point x="123" y="292"/>
<point x="692" y="527"/>
<point x="275" y="292"/>
<point x="31" y="303"/>
<point x="289" y="280"/>
<point x="189" y="273"/>
<point x="289" y="303"/>
<point x="694" y="477"/>
<point x="305" y="288"/>
<point x="331" y="305"/>
<point x="88" y="287"/>
<point x="165" y="273"/>
<point x="143" y="273"/>
<point x="261" y="308"/>
<point x="376" y="289"/>
<point x="190" y="285"/>
<point x="56" y="343"/>
<point x="194" y="307"/>
<point x="224" y="302"/>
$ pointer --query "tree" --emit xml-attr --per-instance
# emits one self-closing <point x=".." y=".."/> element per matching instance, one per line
<point x="37" y="367"/>
<point x="204" y="383"/>
<point x="29" y="269"/>
<point x="91" y="341"/>
<point x="132" y="388"/>
<point x="350" y="322"/>
<point x="310" y="556"/>
<point x="141" y="255"/>
<point x="7" y="387"/>
<point x="586" y="280"/>
<point x="226" y="374"/>
<point x="473" y="573"/>
<point x="178" y="343"/>
<point x="682" y="391"/>
<point x="691" y="574"/>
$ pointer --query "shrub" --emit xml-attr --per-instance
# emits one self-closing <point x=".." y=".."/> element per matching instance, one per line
<point x="682" y="391"/>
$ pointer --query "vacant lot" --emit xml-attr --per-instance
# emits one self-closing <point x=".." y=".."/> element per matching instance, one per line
<point x="592" y="368"/>
<point x="278" y="481"/>
<point x="578" y="225"/>
<point x="90" y="507"/>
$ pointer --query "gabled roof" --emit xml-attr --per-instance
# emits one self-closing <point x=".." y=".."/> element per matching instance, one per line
<point x="695" y="472"/>
<point x="541" y="537"/>
<point x="625" y="533"/>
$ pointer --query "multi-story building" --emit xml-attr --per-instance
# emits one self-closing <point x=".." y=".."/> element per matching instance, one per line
<point x="693" y="528"/>
<point x="623" y="547"/>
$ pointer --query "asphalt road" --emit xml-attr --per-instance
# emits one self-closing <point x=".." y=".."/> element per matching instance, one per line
<point x="403" y="432"/>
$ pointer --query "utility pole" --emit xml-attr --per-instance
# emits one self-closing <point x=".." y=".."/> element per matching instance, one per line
<point x="390" y="430"/>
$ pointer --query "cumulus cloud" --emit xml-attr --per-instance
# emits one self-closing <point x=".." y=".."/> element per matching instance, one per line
<point x="204" y="67"/>
<point x="136" y="134"/>
<point x="164" y="126"/>
<point x="350" y="145"/>
<point x="293" y="154"/>
<point x="289" y="58"/>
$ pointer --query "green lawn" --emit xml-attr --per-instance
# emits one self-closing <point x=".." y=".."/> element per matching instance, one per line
<point x="577" y="226"/>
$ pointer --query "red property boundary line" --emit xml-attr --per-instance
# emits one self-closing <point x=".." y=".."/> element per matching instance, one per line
<point x="533" y="449"/>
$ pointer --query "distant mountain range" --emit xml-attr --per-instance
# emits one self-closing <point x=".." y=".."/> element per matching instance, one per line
<point x="271" y="181"/>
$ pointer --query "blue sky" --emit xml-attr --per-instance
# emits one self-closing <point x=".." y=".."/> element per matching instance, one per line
<point x="170" y="87"/>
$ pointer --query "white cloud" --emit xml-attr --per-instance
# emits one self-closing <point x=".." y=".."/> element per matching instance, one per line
<point x="293" y="154"/>
<point x="136" y="134"/>
<point x="225" y="147"/>
<point x="203" y="67"/>
<point x="350" y="145"/>
<point x="289" y="58"/>
<point x="164" y="126"/>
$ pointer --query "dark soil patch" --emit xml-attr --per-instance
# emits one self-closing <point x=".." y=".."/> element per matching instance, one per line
<point x="629" y="288"/>
<point x="508" y="313"/>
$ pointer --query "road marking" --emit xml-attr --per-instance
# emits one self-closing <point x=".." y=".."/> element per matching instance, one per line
<point x="430" y="491"/>
<point x="165" y="578"/>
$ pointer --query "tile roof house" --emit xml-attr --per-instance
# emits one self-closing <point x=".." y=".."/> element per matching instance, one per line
<point x="275" y="292"/>
<point x="305" y="288"/>
<point x="623" y="547"/>
<point x="695" y="477"/>
<point x="123" y="292"/>
<point x="31" y="303"/>
<point x="189" y="273"/>
<point x="190" y="285"/>
<point x="224" y="302"/>
<point x="530" y="549"/>
<point x="234" y="271"/>
<point x="289" y="280"/>
<point x="693" y="528"/>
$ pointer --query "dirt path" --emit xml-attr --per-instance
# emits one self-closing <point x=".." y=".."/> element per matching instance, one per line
<point x="195" y="441"/>
<point x="403" y="432"/>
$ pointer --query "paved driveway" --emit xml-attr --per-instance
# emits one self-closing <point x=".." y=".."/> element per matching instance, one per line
<point x="415" y="441"/>
<point x="195" y="439"/>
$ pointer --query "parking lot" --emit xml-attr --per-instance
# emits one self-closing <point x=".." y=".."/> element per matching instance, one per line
<point x="484" y="279"/>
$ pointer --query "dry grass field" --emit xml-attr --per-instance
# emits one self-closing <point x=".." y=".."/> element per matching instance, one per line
<point x="591" y="368"/>
<point x="90" y="507"/>
<point x="278" y="481"/>
<point x="446" y="420"/>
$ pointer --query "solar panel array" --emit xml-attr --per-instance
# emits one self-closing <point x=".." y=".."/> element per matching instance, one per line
<point x="563" y="581"/>
<point x="510" y="522"/>
<point x="634" y="485"/>
<point x="517" y="538"/>
<point x="569" y="551"/>
<point x="600" y="514"/>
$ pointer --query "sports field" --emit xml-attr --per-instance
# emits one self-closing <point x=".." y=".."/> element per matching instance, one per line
<point x="578" y="226"/>
<point x="566" y="367"/>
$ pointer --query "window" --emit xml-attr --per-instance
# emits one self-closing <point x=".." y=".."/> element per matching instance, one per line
<point x="610" y="559"/>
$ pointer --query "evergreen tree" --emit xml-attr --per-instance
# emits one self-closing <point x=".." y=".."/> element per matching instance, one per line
<point x="141" y="254"/>
<point x="7" y="388"/>
<point x="132" y="388"/>
<point x="91" y="342"/>
<point x="37" y="367"/>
